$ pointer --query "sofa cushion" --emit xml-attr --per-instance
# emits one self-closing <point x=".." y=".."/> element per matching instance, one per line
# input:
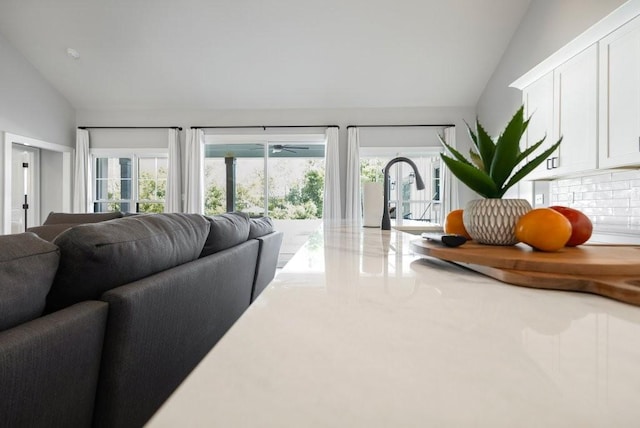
<point x="226" y="230"/>
<point x="48" y="232"/>
<point x="259" y="227"/>
<point x="100" y="256"/>
<point x="27" y="267"/>
<point x="80" y="218"/>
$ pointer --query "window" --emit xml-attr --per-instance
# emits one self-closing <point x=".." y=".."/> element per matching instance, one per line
<point x="404" y="199"/>
<point x="130" y="182"/>
<point x="278" y="176"/>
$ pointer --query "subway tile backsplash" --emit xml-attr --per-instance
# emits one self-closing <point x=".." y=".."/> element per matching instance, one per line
<point x="608" y="198"/>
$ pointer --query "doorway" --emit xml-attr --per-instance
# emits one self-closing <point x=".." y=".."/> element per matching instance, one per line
<point x="25" y="187"/>
<point x="47" y="183"/>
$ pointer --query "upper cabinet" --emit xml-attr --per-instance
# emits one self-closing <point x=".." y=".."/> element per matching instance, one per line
<point x="537" y="99"/>
<point x="592" y="99"/>
<point x="564" y="103"/>
<point x="620" y="97"/>
<point x="576" y="113"/>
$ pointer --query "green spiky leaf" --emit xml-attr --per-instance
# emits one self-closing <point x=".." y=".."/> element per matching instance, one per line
<point x="494" y="163"/>
<point x="486" y="147"/>
<point x="474" y="178"/>
<point x="454" y="152"/>
<point x="507" y="149"/>
<point x="476" y="160"/>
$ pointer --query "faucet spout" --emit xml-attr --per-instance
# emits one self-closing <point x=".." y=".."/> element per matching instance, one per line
<point x="386" y="220"/>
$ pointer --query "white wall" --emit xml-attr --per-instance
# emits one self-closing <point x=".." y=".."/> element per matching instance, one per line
<point x="29" y="105"/>
<point x="546" y="27"/>
<point x="340" y="117"/>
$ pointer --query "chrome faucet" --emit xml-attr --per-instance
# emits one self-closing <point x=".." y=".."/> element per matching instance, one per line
<point x="386" y="221"/>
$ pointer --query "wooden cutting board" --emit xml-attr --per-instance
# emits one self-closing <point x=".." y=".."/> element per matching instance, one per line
<point x="608" y="270"/>
<point x="602" y="260"/>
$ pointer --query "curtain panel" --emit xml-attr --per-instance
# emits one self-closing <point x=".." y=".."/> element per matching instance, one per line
<point x="194" y="172"/>
<point x="353" y="210"/>
<point x="82" y="174"/>
<point x="450" y="199"/>
<point x="173" y="197"/>
<point x="332" y="207"/>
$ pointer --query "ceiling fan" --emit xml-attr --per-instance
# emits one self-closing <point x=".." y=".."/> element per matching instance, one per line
<point x="277" y="148"/>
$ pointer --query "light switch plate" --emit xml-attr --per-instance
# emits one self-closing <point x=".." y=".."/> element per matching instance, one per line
<point x="539" y="198"/>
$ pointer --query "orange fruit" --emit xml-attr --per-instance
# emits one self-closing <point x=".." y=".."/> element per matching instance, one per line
<point x="544" y="229"/>
<point x="453" y="224"/>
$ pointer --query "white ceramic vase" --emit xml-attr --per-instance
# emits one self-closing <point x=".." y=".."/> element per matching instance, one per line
<point x="493" y="221"/>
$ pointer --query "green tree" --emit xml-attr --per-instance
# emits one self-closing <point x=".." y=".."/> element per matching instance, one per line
<point x="213" y="198"/>
<point x="372" y="170"/>
<point x="151" y="189"/>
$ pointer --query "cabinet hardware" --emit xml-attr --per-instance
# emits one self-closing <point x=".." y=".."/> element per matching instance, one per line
<point x="548" y="163"/>
<point x="554" y="162"/>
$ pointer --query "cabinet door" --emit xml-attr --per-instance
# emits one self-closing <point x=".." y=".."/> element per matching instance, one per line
<point x="538" y="104"/>
<point x="576" y="109"/>
<point x="620" y="97"/>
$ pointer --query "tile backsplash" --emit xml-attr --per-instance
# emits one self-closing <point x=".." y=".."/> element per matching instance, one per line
<point x="611" y="197"/>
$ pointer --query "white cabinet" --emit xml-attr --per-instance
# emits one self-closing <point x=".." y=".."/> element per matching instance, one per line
<point x="564" y="103"/>
<point x="620" y="97"/>
<point x="576" y="113"/>
<point x="537" y="99"/>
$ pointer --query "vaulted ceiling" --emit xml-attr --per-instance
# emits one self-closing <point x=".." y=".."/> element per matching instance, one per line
<point x="240" y="54"/>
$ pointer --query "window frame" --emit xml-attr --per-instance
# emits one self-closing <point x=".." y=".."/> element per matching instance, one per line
<point x="135" y="155"/>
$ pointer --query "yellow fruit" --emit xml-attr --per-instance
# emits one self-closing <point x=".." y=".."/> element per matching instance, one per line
<point x="453" y="224"/>
<point x="544" y="229"/>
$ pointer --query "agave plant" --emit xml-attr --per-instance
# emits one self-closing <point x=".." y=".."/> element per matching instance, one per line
<point x="490" y="170"/>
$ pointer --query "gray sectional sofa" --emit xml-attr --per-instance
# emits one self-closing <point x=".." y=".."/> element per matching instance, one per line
<point x="100" y="326"/>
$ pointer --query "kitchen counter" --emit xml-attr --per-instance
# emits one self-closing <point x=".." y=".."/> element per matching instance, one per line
<point x="356" y="331"/>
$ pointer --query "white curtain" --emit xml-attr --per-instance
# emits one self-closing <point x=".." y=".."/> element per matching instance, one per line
<point x="353" y="200"/>
<point x="332" y="209"/>
<point x="82" y="173"/>
<point x="450" y="199"/>
<point x="194" y="172"/>
<point x="173" y="202"/>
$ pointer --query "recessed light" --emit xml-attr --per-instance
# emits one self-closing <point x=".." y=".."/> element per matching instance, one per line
<point x="73" y="53"/>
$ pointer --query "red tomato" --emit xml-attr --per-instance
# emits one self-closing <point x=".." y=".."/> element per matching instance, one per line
<point x="581" y="226"/>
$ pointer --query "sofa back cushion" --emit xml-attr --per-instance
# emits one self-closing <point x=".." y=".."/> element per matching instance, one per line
<point x="259" y="227"/>
<point x="49" y="232"/>
<point x="27" y="267"/>
<point x="100" y="256"/>
<point x="227" y="230"/>
<point x="80" y="218"/>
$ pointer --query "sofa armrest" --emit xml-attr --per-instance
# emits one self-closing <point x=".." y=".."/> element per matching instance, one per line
<point x="49" y="368"/>
<point x="160" y="327"/>
<point x="267" y="262"/>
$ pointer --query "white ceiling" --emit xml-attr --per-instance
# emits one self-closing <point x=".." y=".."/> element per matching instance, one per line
<point x="228" y="54"/>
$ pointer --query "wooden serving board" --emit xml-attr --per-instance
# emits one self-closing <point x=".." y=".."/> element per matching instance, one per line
<point x="587" y="260"/>
<point x="608" y="270"/>
<point x="623" y="288"/>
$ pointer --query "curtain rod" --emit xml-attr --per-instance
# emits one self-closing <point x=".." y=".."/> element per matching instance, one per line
<point x="444" y="125"/>
<point x="264" y="127"/>
<point x="130" y="127"/>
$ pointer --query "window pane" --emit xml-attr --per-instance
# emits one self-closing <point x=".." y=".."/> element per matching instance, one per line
<point x="150" y="207"/>
<point x="113" y="179"/>
<point x="296" y="187"/>
<point x="152" y="179"/>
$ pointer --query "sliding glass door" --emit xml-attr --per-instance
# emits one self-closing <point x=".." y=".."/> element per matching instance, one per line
<point x="284" y="180"/>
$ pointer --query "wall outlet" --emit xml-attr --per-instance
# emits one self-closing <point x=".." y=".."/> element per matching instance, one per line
<point x="539" y="199"/>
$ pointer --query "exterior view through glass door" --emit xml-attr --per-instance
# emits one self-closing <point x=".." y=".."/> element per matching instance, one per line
<point x="404" y="199"/>
<point x="284" y="180"/>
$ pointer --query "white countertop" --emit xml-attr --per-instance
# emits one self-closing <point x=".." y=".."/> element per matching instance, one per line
<point x="358" y="332"/>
